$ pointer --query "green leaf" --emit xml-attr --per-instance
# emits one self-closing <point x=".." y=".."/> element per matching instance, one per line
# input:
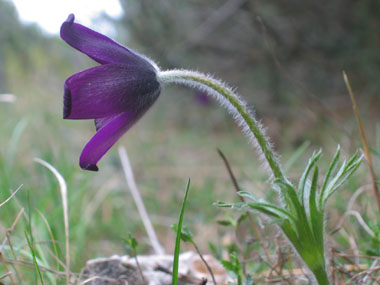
<point x="289" y="195"/>
<point x="130" y="244"/>
<point x="328" y="174"/>
<point x="301" y="223"/>
<point x="302" y="183"/>
<point x="272" y="210"/>
<point x="235" y="266"/>
<point x="178" y="238"/>
<point x="228" y="265"/>
<point x="316" y="216"/>
<point x="247" y="195"/>
<point x="186" y="234"/>
<point x="223" y="205"/>
<point x="237" y="205"/>
<point x="290" y="232"/>
<point x="334" y="180"/>
<point x="345" y="171"/>
<point x="217" y="252"/>
<point x="241" y="218"/>
<point x="225" y="223"/>
<point x="36" y="267"/>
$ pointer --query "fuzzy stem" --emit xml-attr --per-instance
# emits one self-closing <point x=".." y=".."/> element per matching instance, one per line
<point x="233" y="103"/>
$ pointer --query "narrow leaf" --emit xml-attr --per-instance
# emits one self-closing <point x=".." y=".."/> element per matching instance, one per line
<point x="316" y="215"/>
<point x="272" y="210"/>
<point x="328" y="174"/>
<point x="301" y="186"/>
<point x="36" y="267"/>
<point x="178" y="237"/>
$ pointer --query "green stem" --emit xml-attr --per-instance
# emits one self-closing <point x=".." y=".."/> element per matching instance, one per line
<point x="234" y="104"/>
<point x="321" y="276"/>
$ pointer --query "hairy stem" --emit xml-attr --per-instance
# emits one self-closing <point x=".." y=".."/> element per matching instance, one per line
<point x="234" y="105"/>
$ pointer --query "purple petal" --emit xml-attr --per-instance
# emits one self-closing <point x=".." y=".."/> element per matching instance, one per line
<point x="104" y="139"/>
<point x="97" y="46"/>
<point x="109" y="133"/>
<point x="107" y="90"/>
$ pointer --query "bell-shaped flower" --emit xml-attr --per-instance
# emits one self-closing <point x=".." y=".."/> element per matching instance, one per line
<point x="116" y="93"/>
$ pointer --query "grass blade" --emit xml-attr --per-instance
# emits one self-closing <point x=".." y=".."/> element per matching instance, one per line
<point x="178" y="238"/>
<point x="34" y="258"/>
<point x="10" y="197"/>
<point x="63" y="189"/>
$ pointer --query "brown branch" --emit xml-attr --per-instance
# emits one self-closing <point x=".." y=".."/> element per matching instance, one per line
<point x="364" y="140"/>
<point x="6" y="269"/>
<point x="204" y="261"/>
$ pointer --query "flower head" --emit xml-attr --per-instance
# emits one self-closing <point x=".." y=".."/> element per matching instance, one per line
<point x="116" y="93"/>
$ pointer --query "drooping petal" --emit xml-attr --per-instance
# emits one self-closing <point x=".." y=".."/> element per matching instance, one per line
<point x="107" y="90"/>
<point x="97" y="46"/>
<point x="104" y="139"/>
<point x="108" y="134"/>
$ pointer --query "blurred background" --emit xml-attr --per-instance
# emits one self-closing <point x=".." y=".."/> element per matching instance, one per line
<point x="284" y="57"/>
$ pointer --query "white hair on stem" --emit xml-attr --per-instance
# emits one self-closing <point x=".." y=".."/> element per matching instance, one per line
<point x="228" y="98"/>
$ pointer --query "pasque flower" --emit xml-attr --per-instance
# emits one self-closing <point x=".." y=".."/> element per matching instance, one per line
<point x="119" y="91"/>
<point x="116" y="93"/>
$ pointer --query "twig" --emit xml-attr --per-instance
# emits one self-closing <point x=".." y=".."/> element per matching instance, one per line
<point x="63" y="190"/>
<point x="360" y="256"/>
<point x="111" y="280"/>
<point x="254" y="226"/>
<point x="139" y="267"/>
<point x="6" y="268"/>
<point x="8" y="238"/>
<point x="364" y="279"/>
<point x="12" y="228"/>
<point x="5" y="275"/>
<point x="204" y="261"/>
<point x="364" y="140"/>
<point x="366" y="272"/>
<point x="42" y="268"/>
<point x="158" y="249"/>
<point x="10" y="197"/>
<point x="300" y="271"/>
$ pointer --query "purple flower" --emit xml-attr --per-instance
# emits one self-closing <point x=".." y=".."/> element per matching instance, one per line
<point x="116" y="93"/>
